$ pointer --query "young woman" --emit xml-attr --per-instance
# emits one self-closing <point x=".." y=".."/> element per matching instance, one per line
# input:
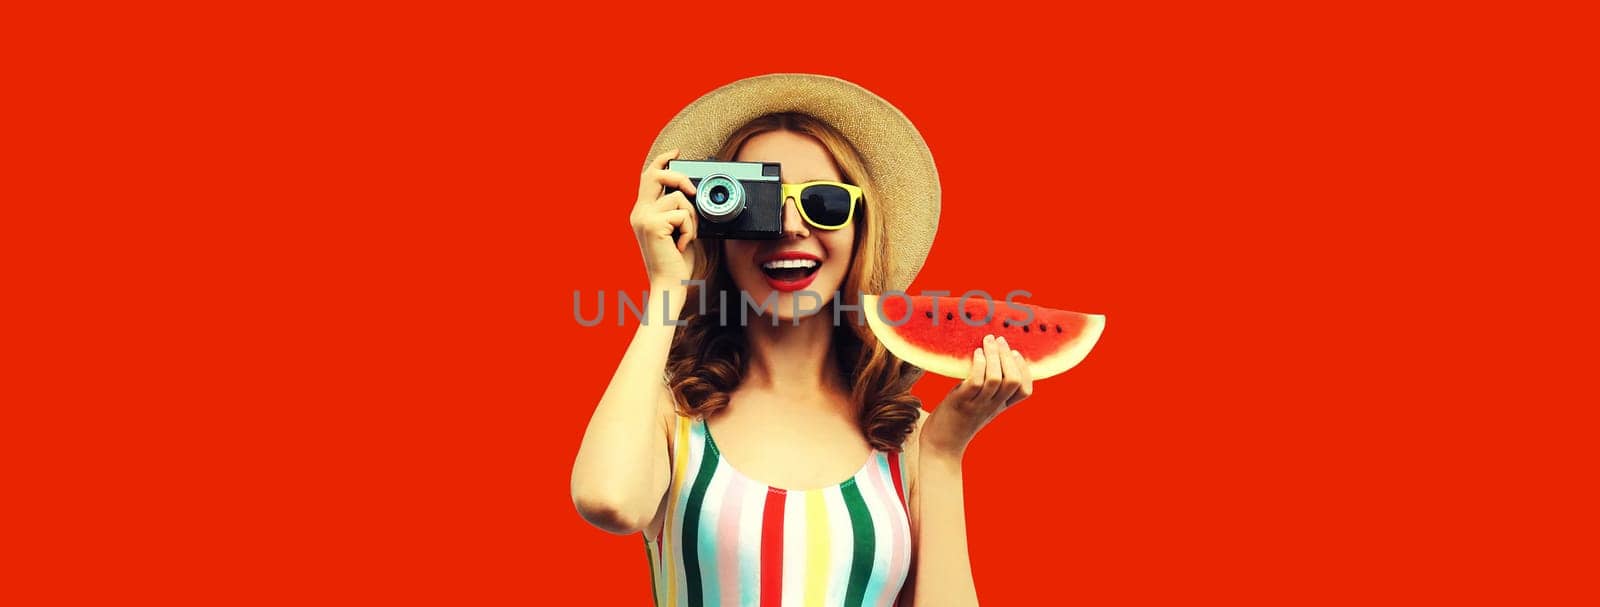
<point x="788" y="464"/>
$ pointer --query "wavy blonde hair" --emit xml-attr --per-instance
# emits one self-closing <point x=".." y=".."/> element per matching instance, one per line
<point x="707" y="359"/>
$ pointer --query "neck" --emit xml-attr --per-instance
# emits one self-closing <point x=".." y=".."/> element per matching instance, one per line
<point x="793" y="359"/>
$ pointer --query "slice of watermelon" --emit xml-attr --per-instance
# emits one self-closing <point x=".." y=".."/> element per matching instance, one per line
<point x="941" y="342"/>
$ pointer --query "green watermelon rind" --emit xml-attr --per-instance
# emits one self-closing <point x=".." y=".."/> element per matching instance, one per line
<point x="956" y="365"/>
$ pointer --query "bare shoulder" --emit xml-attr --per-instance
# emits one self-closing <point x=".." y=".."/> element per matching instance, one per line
<point x="666" y="413"/>
<point x="667" y="423"/>
<point x="911" y="447"/>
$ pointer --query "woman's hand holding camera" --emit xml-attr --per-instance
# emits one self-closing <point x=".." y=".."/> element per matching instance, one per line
<point x="999" y="379"/>
<point x="656" y="217"/>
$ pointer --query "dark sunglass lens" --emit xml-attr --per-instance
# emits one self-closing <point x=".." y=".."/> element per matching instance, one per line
<point x="828" y="205"/>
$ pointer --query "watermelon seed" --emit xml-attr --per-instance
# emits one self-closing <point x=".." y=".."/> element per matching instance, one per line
<point x="930" y="314"/>
<point x="1042" y="326"/>
<point x="1058" y="328"/>
<point x="947" y="316"/>
<point x="1024" y="328"/>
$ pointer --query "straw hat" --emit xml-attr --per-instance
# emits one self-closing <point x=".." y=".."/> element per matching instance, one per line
<point x="897" y="159"/>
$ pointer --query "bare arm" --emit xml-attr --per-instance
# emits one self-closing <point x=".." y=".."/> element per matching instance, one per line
<point x="944" y="569"/>
<point x="942" y="572"/>
<point x="622" y="469"/>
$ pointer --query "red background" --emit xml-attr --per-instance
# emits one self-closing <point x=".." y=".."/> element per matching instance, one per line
<point x="294" y="323"/>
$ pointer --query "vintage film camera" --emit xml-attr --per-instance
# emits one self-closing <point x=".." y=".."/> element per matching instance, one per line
<point x="741" y="200"/>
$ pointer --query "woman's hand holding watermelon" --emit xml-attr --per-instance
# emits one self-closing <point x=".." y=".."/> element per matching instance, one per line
<point x="998" y="379"/>
<point x="656" y="217"/>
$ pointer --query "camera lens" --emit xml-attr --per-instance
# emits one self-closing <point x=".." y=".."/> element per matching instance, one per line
<point x="720" y="198"/>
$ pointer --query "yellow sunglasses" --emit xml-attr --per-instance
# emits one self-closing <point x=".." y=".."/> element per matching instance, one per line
<point x="826" y="205"/>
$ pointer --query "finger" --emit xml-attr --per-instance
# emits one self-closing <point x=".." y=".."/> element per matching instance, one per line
<point x="660" y="161"/>
<point x="1011" y="378"/>
<point x="690" y="228"/>
<point x="674" y="180"/>
<point x="1026" y="389"/>
<point x="970" y="386"/>
<point x="675" y="200"/>
<point x="992" y="373"/>
<point x="674" y="218"/>
<point x="649" y="187"/>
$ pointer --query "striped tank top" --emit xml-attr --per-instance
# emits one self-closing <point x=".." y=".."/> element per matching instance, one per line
<point x="729" y="540"/>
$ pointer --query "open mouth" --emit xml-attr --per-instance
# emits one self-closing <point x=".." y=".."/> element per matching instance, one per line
<point x="790" y="270"/>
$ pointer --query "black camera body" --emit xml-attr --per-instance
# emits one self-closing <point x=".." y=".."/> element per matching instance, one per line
<point x="738" y="200"/>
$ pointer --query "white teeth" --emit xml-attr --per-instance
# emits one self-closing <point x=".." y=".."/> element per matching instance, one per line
<point x="790" y="263"/>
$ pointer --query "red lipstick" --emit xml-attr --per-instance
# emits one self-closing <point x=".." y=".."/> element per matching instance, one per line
<point x="795" y="284"/>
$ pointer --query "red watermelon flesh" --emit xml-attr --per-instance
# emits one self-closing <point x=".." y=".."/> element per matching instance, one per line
<point x="935" y="338"/>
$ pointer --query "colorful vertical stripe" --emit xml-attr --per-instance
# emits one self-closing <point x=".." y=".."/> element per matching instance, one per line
<point x="729" y="540"/>
<point x="771" y="579"/>
<point x="650" y="554"/>
<point x="863" y="544"/>
<point x="897" y="558"/>
<point x="693" y="539"/>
